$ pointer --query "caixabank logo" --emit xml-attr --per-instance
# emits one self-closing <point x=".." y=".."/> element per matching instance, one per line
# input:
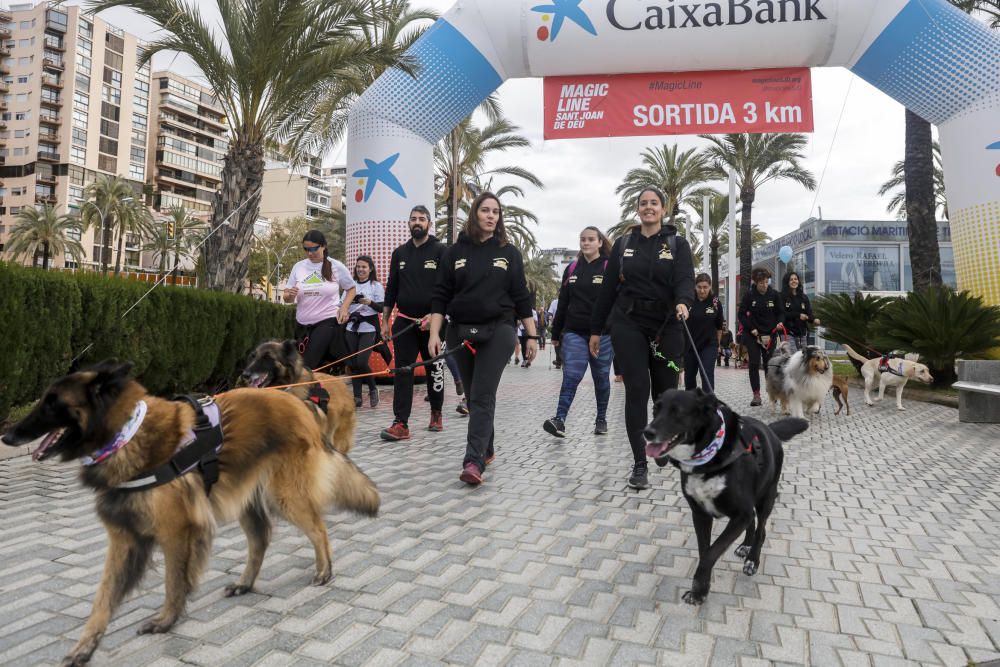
<point x="554" y="15"/>
<point x="375" y="173"/>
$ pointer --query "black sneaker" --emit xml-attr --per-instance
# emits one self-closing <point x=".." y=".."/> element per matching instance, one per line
<point x="601" y="427"/>
<point x="463" y="407"/>
<point x="756" y="400"/>
<point x="555" y="426"/>
<point x="639" y="479"/>
<point x="357" y="401"/>
<point x="373" y="397"/>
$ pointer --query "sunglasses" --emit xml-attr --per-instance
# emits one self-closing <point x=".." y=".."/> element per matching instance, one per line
<point x="311" y="248"/>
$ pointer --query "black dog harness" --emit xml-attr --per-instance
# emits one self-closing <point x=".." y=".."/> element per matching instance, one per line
<point x="200" y="450"/>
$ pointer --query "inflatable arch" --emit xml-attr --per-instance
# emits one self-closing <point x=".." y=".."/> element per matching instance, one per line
<point x="927" y="55"/>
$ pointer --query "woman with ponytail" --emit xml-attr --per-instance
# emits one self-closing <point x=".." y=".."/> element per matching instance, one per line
<point x="314" y="286"/>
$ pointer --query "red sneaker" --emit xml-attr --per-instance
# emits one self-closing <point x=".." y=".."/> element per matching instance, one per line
<point x="437" y="421"/>
<point x="471" y="475"/>
<point x="398" y="431"/>
<point x="491" y="458"/>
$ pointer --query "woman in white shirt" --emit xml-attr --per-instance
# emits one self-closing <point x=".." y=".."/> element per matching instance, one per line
<point x="314" y="286"/>
<point x="363" y="326"/>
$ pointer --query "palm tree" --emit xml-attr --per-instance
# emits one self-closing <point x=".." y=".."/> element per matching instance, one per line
<point x="896" y="187"/>
<point x="40" y="231"/>
<point x="921" y="203"/>
<point x="187" y="233"/>
<point x="679" y="175"/>
<point x="543" y="283"/>
<point x="515" y="218"/>
<point x="113" y="204"/>
<point x="460" y="162"/>
<point x="274" y="65"/>
<point x="757" y="159"/>
<point x="718" y="216"/>
<point x="989" y="9"/>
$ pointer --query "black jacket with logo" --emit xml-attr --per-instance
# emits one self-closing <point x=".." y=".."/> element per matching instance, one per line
<point x="762" y="312"/>
<point x="412" y="276"/>
<point x="481" y="282"/>
<point x="645" y="269"/>
<point x="796" y="305"/>
<point x="705" y="321"/>
<point x="577" y="297"/>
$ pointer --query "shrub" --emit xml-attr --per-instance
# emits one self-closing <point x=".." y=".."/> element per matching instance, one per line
<point x="179" y="339"/>
<point x="847" y="319"/>
<point x="941" y="326"/>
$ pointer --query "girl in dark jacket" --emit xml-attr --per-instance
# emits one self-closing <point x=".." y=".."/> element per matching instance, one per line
<point x="648" y="288"/>
<point x="705" y="324"/>
<point x="798" y="311"/>
<point x="760" y="312"/>
<point x="581" y="284"/>
<point x="482" y="288"/>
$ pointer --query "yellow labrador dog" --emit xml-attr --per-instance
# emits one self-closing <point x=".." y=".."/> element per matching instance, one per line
<point x="902" y="371"/>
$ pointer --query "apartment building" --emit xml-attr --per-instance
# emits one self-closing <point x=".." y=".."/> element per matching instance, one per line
<point x="191" y="141"/>
<point x="305" y="191"/>
<point x="74" y="104"/>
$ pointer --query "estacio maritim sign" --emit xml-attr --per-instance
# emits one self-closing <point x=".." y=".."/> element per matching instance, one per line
<point x="631" y="105"/>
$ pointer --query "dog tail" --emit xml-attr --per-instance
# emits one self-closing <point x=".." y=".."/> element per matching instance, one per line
<point x="788" y="428"/>
<point x="352" y="489"/>
<point x="854" y="355"/>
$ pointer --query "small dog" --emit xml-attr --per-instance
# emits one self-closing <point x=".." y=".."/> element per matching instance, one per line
<point x="902" y="371"/>
<point x="277" y="363"/>
<point x="741" y="355"/>
<point x="272" y="458"/>
<point x="808" y="376"/>
<point x="775" y="376"/>
<point x="840" y="387"/>
<point x="730" y="467"/>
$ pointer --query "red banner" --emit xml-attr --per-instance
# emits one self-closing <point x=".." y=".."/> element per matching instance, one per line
<point x="633" y="105"/>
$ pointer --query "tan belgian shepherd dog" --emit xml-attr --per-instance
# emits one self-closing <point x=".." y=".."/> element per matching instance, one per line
<point x="272" y="460"/>
<point x="277" y="364"/>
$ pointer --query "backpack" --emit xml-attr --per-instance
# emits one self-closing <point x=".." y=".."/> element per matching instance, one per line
<point x="572" y="270"/>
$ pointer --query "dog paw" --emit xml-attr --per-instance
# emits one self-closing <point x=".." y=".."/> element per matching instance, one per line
<point x="74" y="660"/>
<point x="235" y="590"/>
<point x="742" y="551"/>
<point x="749" y="568"/>
<point x="322" y="578"/>
<point x="693" y="598"/>
<point x="901" y="408"/>
<point x="155" y="627"/>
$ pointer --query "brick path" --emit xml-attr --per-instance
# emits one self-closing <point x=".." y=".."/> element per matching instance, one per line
<point x="882" y="551"/>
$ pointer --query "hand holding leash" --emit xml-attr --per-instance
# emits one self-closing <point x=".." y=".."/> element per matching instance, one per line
<point x="682" y="312"/>
<point x="595" y="346"/>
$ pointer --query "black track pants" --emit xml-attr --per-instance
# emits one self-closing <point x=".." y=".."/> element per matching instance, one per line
<point x="406" y="347"/>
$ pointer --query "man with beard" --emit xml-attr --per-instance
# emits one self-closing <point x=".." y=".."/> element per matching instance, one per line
<point x="412" y="275"/>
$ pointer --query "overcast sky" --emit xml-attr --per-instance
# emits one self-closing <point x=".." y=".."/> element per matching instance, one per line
<point x="581" y="175"/>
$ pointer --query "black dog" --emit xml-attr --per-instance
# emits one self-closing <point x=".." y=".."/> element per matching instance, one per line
<point x="730" y="467"/>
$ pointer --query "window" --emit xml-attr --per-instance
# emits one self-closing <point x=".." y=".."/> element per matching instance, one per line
<point x="853" y="268"/>
<point x="110" y="111"/>
<point x="24" y="79"/>
<point x="140" y="104"/>
<point x="49" y="96"/>
<point x="109" y="129"/>
<point x="86" y="29"/>
<point x="10" y="62"/>
<point x="138" y="137"/>
<point x="139" y="122"/>
<point x="24" y="43"/>
<point x="22" y="115"/>
<point x="26" y="25"/>
<point x="81" y="101"/>
<point x="137" y="172"/>
<point x="142" y="86"/>
<point x="19" y="191"/>
<point x="80" y="118"/>
<point x="77" y="154"/>
<point x="107" y="163"/>
<point x="6" y="115"/>
<point x="113" y="60"/>
<point x="83" y="62"/>
<point x="85" y="47"/>
<point x="112" y="77"/>
<point x="24" y="60"/>
<point x="112" y="95"/>
<point x="137" y="154"/>
<point x="76" y="177"/>
<point x="79" y="137"/>
<point x="114" y="42"/>
<point x="82" y="81"/>
<point x="22" y="97"/>
<point x="109" y="146"/>
<point x="19" y="134"/>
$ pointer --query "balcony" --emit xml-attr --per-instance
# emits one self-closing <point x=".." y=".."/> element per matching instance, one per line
<point x="48" y="156"/>
<point x="51" y="137"/>
<point x="6" y="16"/>
<point x="56" y="26"/>
<point x="52" y="81"/>
<point x="4" y="86"/>
<point x="45" y="199"/>
<point x="54" y="43"/>
<point x="49" y="119"/>
<point x="5" y="32"/>
<point x="45" y="179"/>
<point x="54" y="101"/>
<point x="49" y="63"/>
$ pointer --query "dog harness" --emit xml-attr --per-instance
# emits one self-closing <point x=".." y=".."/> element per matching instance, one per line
<point x="885" y="366"/>
<point x="200" y="449"/>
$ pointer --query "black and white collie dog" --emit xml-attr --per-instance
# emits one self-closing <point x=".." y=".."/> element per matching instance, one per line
<point x="808" y="376"/>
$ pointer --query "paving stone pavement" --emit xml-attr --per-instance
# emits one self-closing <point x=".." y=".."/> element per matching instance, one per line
<point x="882" y="551"/>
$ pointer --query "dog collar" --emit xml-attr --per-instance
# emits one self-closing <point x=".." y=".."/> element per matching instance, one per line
<point x="123" y="437"/>
<point x="707" y="454"/>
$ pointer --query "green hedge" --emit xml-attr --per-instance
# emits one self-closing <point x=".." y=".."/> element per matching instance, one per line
<point x="179" y="339"/>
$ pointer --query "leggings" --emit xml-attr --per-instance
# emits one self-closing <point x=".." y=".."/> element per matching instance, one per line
<point x="576" y="358"/>
<point x="758" y="356"/>
<point x="644" y="374"/>
<point x="320" y="335"/>
<point x="359" y="364"/>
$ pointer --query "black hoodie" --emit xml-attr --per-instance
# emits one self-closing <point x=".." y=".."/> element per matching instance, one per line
<point x="577" y="297"/>
<point x="413" y="275"/>
<point x="481" y="282"/>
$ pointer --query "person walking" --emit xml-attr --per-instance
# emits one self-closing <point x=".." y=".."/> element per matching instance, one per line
<point x="760" y="312"/>
<point x="725" y="345"/>
<point x="482" y="288"/>
<point x="798" y="311"/>
<point x="551" y="315"/>
<point x="705" y="324"/>
<point x="363" y="327"/>
<point x="581" y="284"/>
<point x="648" y="286"/>
<point x="314" y="286"/>
<point x="412" y="276"/>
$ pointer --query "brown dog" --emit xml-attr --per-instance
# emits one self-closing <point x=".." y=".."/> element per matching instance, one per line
<point x="840" y="388"/>
<point x="276" y="364"/>
<point x="272" y="459"/>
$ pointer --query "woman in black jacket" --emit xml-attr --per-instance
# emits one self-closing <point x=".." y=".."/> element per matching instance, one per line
<point x="581" y="284"/>
<point x="760" y="312"/>
<point x="482" y="288"/>
<point x="648" y="287"/>
<point x="798" y="311"/>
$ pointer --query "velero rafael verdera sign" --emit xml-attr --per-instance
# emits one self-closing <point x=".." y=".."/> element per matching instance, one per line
<point x="631" y="105"/>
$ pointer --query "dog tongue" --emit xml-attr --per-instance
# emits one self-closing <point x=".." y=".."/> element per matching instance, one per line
<point x="46" y="443"/>
<point x="655" y="450"/>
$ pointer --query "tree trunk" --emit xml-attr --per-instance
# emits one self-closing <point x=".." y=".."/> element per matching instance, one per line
<point x="456" y="180"/>
<point x="227" y="251"/>
<point x="118" y="254"/>
<point x="45" y="255"/>
<point x="747" y="197"/>
<point x="925" y="255"/>
<point x="105" y="256"/>
<point x="174" y="270"/>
